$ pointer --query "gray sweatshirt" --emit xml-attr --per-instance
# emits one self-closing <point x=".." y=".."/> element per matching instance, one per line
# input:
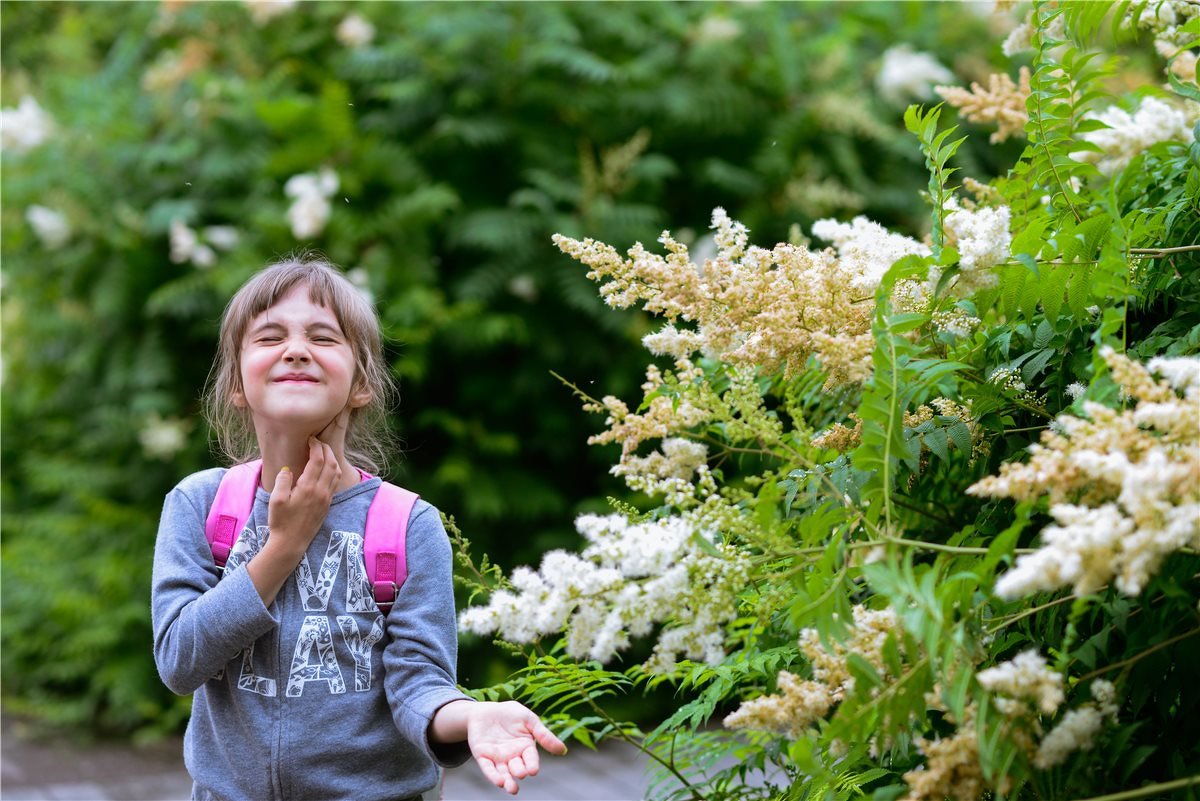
<point x="317" y="696"/>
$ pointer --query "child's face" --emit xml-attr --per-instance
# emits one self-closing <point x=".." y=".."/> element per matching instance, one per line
<point x="297" y="367"/>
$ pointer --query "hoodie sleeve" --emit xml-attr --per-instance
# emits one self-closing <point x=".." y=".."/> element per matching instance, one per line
<point x="200" y="621"/>
<point x="420" y="660"/>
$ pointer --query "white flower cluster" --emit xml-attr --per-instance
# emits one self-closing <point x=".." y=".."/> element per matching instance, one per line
<point x="263" y="11"/>
<point x="188" y="245"/>
<point x="956" y="321"/>
<point x="799" y="704"/>
<point x="1024" y="677"/>
<point x="668" y="472"/>
<point x="867" y="249"/>
<point x="982" y="238"/>
<point x="1183" y="62"/>
<point x="1128" y="134"/>
<point x="716" y="28"/>
<point x="50" y="226"/>
<point x="1020" y="39"/>
<point x="1078" y="728"/>
<point x="673" y="342"/>
<point x="905" y="74"/>
<point x="25" y="127"/>
<point x="310" y="210"/>
<point x="1123" y="486"/>
<point x="1002" y="102"/>
<point x="802" y="702"/>
<point x="630" y="578"/>
<point x="162" y="439"/>
<point x="661" y="418"/>
<point x="1009" y="379"/>
<point x="355" y="31"/>
<point x="1164" y="19"/>
<point x="760" y="308"/>
<point x="951" y="769"/>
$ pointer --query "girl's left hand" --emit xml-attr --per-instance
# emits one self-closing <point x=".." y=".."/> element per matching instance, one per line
<point x="503" y="738"/>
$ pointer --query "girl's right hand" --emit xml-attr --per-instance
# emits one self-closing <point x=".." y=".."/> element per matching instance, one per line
<point x="297" y="508"/>
<point x="294" y="516"/>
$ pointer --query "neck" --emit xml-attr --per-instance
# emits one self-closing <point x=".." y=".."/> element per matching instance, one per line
<point x="280" y="449"/>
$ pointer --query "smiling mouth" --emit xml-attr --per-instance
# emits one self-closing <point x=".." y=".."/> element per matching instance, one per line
<point x="295" y="379"/>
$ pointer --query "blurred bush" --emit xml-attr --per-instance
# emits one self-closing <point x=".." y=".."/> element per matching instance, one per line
<point x="155" y="155"/>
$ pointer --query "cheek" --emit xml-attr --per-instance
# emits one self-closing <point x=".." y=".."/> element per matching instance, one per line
<point x="254" y="363"/>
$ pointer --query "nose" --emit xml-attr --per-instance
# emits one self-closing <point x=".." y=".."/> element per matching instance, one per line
<point x="296" y="351"/>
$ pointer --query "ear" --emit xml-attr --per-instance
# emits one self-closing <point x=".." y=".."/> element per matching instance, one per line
<point x="360" y="396"/>
<point x="239" y="398"/>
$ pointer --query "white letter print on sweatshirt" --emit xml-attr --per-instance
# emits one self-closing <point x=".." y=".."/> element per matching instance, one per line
<point x="246" y="548"/>
<point x="317" y="630"/>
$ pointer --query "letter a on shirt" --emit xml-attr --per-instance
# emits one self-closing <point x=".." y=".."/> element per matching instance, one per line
<point x="315" y="632"/>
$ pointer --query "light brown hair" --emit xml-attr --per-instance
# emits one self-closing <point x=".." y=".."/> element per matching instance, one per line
<point x="368" y="439"/>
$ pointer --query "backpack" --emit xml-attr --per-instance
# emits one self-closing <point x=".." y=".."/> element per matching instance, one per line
<point x="383" y="539"/>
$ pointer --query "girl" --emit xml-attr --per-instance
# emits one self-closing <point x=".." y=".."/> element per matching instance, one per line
<point x="302" y="690"/>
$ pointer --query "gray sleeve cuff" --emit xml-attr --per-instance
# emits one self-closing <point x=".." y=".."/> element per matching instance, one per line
<point x="448" y="755"/>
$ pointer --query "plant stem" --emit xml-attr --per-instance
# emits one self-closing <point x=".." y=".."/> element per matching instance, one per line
<point x="960" y="549"/>
<point x="890" y="689"/>
<point x="1026" y="429"/>
<point x="1033" y="611"/>
<point x="578" y="392"/>
<point x="850" y="546"/>
<point x="599" y="710"/>
<point x="1156" y="253"/>
<point x="1138" y="656"/>
<point x="1149" y="789"/>
<point x="887" y="446"/>
<point x="1039" y="63"/>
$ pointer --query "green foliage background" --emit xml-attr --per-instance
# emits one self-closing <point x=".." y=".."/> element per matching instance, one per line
<point x="463" y="136"/>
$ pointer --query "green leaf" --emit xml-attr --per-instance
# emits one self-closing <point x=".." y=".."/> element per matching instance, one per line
<point x="1035" y="365"/>
<point x="1029" y="240"/>
<point x="1030" y="262"/>
<point x="938" y="443"/>
<point x="961" y="434"/>
<point x="1053" y="291"/>
<point x="1185" y="90"/>
<point x="1043" y="334"/>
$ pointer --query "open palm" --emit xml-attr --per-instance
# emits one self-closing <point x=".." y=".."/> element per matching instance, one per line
<point x="504" y="739"/>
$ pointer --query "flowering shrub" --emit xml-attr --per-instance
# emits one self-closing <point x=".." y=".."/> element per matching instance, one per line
<point x="919" y="517"/>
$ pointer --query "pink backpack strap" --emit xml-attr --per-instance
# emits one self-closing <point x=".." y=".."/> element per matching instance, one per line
<point x="383" y="542"/>
<point x="231" y="508"/>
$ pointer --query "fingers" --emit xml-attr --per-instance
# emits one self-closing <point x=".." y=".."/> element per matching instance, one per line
<point x="283" y="484"/>
<point x="497" y="775"/>
<point x="526" y="764"/>
<point x="546" y="739"/>
<point x="322" y="471"/>
<point x="331" y="470"/>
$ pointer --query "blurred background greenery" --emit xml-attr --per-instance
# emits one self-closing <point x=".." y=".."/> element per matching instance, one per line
<point x="150" y="163"/>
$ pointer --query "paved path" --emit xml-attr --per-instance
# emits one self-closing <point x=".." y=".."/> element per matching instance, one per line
<point x="37" y="771"/>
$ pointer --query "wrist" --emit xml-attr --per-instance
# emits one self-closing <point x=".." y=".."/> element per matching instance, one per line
<point x="449" y="722"/>
<point x="282" y="548"/>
